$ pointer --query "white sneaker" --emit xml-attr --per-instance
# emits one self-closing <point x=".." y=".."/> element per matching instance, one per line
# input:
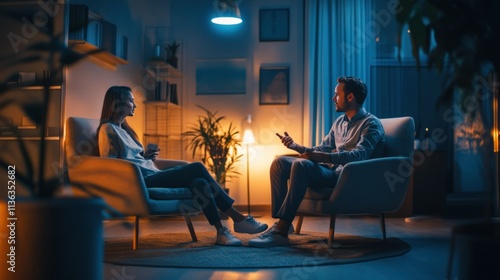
<point x="290" y="229"/>
<point x="224" y="237"/>
<point x="270" y="238"/>
<point x="249" y="225"/>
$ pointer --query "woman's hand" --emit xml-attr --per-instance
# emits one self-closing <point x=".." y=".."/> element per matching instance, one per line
<point x="151" y="154"/>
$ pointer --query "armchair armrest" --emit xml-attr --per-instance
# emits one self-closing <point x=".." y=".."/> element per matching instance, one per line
<point x="371" y="186"/>
<point x="118" y="182"/>
<point x="165" y="163"/>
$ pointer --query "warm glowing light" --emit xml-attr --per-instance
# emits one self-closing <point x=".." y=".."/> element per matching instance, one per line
<point x="496" y="132"/>
<point x="246" y="126"/>
<point x="248" y="137"/>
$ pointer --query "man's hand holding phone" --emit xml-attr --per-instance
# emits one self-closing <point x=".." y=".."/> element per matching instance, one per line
<point x="288" y="141"/>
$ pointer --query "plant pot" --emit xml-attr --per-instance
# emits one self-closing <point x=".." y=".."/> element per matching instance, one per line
<point x="55" y="238"/>
<point x="475" y="251"/>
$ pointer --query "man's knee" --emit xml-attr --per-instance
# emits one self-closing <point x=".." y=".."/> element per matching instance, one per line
<point x="282" y="162"/>
<point x="302" y="164"/>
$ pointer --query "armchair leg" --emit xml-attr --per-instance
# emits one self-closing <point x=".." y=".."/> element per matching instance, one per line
<point x="191" y="228"/>
<point x="382" y="225"/>
<point x="299" y="224"/>
<point x="135" y="239"/>
<point x="331" y="231"/>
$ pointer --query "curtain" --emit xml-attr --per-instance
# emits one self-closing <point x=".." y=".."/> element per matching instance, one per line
<point x="337" y="38"/>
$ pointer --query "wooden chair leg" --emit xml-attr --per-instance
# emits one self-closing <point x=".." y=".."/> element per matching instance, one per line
<point x="191" y="228"/>
<point x="299" y="224"/>
<point x="382" y="225"/>
<point x="135" y="239"/>
<point x="331" y="231"/>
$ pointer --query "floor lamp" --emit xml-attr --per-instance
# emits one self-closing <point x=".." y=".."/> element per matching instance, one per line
<point x="248" y="138"/>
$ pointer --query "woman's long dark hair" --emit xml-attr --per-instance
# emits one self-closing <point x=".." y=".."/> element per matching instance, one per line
<point x="112" y="108"/>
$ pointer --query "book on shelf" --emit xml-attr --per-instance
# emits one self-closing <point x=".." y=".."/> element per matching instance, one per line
<point x="108" y="37"/>
<point x="78" y="20"/>
<point x="173" y="94"/>
<point x="94" y="33"/>
<point x="85" y="25"/>
<point x="157" y="91"/>
<point x="165" y="91"/>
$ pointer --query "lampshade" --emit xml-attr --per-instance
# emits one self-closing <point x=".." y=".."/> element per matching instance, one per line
<point x="227" y="12"/>
<point x="248" y="136"/>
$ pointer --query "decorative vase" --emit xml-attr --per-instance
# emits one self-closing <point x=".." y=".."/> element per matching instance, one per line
<point x="53" y="238"/>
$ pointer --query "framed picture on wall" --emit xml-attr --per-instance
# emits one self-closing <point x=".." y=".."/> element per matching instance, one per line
<point x="274" y="85"/>
<point x="274" y="25"/>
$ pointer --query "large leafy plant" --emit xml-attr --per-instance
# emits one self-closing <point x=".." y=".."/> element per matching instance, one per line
<point x="49" y="50"/>
<point x="466" y="35"/>
<point x="467" y="42"/>
<point x="218" y="147"/>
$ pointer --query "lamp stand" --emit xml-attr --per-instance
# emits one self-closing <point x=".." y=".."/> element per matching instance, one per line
<point x="248" y="180"/>
<point x="248" y="184"/>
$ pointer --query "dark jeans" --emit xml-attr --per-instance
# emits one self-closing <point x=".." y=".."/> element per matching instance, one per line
<point x="302" y="173"/>
<point x="208" y="195"/>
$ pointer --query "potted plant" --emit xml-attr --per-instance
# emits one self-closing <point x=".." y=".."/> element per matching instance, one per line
<point x="218" y="147"/>
<point x="48" y="235"/>
<point x="172" y="50"/>
<point x="466" y="36"/>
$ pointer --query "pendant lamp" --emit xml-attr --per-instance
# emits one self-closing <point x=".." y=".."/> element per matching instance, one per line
<point x="227" y="12"/>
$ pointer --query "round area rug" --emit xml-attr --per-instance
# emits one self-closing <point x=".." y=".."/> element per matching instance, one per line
<point x="308" y="249"/>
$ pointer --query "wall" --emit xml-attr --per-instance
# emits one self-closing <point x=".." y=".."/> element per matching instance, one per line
<point x="200" y="39"/>
<point x="189" y="23"/>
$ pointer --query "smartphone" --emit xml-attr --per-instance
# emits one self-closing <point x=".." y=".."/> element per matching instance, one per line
<point x="151" y="147"/>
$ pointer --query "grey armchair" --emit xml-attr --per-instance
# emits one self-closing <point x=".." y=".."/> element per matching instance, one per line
<point x="119" y="182"/>
<point x="374" y="186"/>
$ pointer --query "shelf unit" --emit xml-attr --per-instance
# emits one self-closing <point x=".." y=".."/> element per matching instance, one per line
<point x="98" y="56"/>
<point x="163" y="70"/>
<point x="92" y="34"/>
<point x="163" y="120"/>
<point x="19" y="137"/>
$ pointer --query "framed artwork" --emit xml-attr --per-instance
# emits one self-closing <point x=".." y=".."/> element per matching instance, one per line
<point x="221" y="76"/>
<point x="274" y="25"/>
<point x="274" y="86"/>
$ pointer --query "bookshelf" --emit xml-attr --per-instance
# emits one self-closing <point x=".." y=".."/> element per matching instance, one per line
<point x="92" y="34"/>
<point x="163" y="120"/>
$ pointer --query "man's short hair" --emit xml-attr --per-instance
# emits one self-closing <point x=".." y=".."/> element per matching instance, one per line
<point x="356" y="86"/>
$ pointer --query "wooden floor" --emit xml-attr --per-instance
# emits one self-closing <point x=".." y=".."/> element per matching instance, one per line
<point x="428" y="236"/>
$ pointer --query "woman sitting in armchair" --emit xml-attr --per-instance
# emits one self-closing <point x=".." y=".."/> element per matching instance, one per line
<point x="118" y="140"/>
